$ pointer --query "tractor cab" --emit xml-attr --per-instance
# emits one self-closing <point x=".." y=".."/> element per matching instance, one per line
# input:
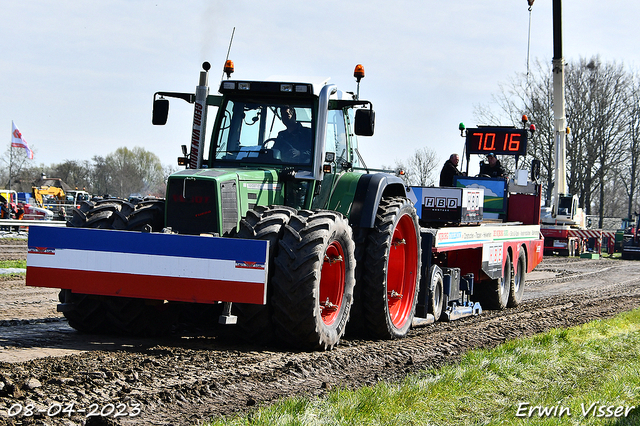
<point x="272" y="143"/>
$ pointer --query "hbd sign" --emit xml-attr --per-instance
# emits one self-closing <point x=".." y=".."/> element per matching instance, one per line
<point x="452" y="205"/>
<point x="440" y="203"/>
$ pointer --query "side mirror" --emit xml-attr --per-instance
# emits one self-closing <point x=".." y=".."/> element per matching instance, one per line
<point x="364" y="122"/>
<point x="160" y="112"/>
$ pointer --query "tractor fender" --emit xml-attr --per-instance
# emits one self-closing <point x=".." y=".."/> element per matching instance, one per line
<point x="370" y="190"/>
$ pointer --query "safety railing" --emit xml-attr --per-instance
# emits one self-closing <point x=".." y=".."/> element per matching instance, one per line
<point x="11" y="223"/>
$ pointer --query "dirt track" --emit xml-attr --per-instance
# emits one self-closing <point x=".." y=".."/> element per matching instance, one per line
<point x="189" y="376"/>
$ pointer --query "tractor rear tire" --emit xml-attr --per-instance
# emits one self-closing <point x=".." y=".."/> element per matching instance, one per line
<point x="261" y="223"/>
<point x="118" y="315"/>
<point x="516" y="292"/>
<point x="313" y="280"/>
<point x="391" y="270"/>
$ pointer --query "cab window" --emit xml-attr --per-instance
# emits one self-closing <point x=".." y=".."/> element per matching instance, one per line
<point x="336" y="137"/>
<point x="265" y="132"/>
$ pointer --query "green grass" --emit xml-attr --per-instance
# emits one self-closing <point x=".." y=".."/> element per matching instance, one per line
<point x="565" y="368"/>
<point x="13" y="264"/>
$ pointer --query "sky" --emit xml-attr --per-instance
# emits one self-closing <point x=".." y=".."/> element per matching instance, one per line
<point x="78" y="77"/>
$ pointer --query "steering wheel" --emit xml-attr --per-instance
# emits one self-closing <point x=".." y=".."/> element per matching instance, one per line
<point x="271" y="141"/>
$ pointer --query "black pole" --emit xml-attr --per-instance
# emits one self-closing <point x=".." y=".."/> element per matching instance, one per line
<point x="557" y="29"/>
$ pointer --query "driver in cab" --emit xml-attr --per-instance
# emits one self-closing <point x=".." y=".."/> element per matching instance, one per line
<point x="492" y="168"/>
<point x="295" y="142"/>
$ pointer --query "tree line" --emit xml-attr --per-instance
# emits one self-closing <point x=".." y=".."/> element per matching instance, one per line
<point x="603" y="143"/>
<point x="602" y="102"/>
<point x="603" y="146"/>
<point x="120" y="174"/>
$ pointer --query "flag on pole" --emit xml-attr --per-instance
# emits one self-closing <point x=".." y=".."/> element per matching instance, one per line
<point x="18" y="142"/>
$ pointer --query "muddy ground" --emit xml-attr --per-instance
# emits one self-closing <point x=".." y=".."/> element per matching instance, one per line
<point x="46" y="367"/>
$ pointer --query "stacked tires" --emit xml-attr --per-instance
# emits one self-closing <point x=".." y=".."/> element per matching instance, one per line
<point x="120" y="214"/>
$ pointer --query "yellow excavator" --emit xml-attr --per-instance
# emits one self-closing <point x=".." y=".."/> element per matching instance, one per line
<point x="48" y="195"/>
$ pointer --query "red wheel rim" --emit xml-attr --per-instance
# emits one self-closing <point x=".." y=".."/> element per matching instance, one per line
<point x="402" y="271"/>
<point x="332" y="281"/>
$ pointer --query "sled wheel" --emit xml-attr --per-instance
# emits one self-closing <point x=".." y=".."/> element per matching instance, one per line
<point x="392" y="270"/>
<point x="313" y="280"/>
<point x="495" y="293"/>
<point x="436" y="292"/>
<point x="261" y="223"/>
<point x="519" y="276"/>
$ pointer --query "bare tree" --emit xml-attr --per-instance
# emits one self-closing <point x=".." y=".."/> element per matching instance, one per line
<point x="76" y="174"/>
<point x="423" y="167"/>
<point x="100" y="176"/>
<point x="15" y="161"/>
<point x="596" y="109"/>
<point x="420" y="169"/>
<point x="630" y="166"/>
<point x="399" y="168"/>
<point x="596" y="114"/>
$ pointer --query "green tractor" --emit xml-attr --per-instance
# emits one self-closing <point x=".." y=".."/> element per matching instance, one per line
<point x="282" y="166"/>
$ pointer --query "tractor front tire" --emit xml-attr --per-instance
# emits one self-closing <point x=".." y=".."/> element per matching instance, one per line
<point x="261" y="223"/>
<point x="313" y="280"/>
<point x="118" y="315"/>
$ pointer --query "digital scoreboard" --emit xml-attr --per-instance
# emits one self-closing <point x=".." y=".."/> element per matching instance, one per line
<point x="497" y="140"/>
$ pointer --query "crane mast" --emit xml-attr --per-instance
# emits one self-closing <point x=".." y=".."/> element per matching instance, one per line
<point x="560" y="187"/>
<point x="565" y="206"/>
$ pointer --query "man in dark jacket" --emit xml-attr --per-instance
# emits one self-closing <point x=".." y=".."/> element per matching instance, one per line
<point x="493" y="168"/>
<point x="449" y="170"/>
<point x="295" y="142"/>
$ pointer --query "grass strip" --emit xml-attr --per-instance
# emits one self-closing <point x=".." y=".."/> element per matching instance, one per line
<point x="586" y="375"/>
<point x="13" y="267"/>
<point x="13" y="264"/>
